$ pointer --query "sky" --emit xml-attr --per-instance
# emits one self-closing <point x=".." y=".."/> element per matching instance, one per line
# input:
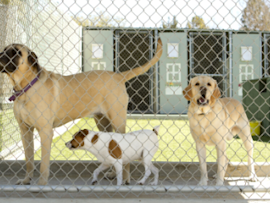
<point x="217" y="14"/>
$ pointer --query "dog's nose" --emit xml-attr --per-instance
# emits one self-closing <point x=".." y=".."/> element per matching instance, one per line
<point x="68" y="145"/>
<point x="203" y="91"/>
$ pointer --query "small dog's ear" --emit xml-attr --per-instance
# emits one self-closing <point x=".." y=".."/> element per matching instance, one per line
<point x="33" y="59"/>
<point x="84" y="132"/>
<point x="187" y="92"/>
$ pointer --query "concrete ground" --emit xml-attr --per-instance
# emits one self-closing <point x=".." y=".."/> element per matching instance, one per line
<point x="71" y="188"/>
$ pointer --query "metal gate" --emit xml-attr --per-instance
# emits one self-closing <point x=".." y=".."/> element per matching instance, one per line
<point x="207" y="56"/>
<point x="134" y="48"/>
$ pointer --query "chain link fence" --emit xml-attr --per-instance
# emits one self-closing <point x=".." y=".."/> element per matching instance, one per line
<point x="72" y="68"/>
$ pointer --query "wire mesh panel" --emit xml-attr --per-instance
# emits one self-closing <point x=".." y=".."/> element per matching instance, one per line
<point x="135" y="49"/>
<point x="131" y="98"/>
<point x="208" y="56"/>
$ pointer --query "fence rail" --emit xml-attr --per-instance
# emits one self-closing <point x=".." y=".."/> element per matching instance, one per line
<point x="203" y="78"/>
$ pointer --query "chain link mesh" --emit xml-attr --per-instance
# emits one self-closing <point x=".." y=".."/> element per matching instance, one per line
<point x="59" y="42"/>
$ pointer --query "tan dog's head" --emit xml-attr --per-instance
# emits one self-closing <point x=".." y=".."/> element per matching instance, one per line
<point x="17" y="60"/>
<point x="202" y="91"/>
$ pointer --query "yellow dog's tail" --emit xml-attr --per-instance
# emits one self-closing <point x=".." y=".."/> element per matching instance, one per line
<point x="127" y="75"/>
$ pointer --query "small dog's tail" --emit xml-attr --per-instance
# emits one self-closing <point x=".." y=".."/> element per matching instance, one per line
<point x="127" y="75"/>
<point x="156" y="129"/>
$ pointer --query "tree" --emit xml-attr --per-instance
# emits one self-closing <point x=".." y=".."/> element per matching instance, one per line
<point x="256" y="16"/>
<point x="169" y="24"/>
<point x="197" y="22"/>
<point x="101" y="20"/>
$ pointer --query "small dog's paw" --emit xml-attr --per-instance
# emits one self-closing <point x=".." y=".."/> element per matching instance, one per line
<point x="215" y="176"/>
<point x="110" y="175"/>
<point x="25" y="181"/>
<point x="140" y="183"/>
<point x="94" y="182"/>
<point x="153" y="183"/>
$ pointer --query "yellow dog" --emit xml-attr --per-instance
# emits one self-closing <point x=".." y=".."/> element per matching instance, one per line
<point x="213" y="121"/>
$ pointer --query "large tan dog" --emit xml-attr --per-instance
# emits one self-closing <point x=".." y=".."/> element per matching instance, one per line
<point x="55" y="100"/>
<point x="213" y="121"/>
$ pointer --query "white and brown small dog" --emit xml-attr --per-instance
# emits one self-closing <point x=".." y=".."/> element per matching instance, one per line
<point x="115" y="149"/>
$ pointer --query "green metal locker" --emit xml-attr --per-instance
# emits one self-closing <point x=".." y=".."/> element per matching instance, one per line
<point x="97" y="50"/>
<point x="173" y="73"/>
<point x="246" y="65"/>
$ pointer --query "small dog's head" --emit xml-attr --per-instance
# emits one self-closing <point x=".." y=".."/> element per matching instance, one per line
<point x="78" y="140"/>
<point x="18" y="57"/>
<point x="202" y="91"/>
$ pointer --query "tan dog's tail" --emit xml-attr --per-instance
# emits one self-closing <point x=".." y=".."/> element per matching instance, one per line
<point x="127" y="75"/>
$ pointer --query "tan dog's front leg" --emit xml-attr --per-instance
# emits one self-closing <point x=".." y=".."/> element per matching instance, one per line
<point x="222" y="162"/>
<point x="28" y="145"/>
<point x="46" y="136"/>
<point x="201" y="151"/>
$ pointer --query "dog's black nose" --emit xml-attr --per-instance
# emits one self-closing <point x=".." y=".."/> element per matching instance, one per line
<point x="203" y="91"/>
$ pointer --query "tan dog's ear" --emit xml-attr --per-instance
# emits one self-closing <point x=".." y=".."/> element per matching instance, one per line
<point x="187" y="92"/>
<point x="33" y="59"/>
<point x="216" y="94"/>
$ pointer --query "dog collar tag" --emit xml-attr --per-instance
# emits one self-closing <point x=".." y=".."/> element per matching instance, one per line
<point x="27" y="87"/>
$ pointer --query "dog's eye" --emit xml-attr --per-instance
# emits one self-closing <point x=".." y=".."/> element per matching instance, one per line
<point x="209" y="84"/>
<point x="197" y="84"/>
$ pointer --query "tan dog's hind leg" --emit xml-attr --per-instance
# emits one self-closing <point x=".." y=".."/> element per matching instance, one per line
<point x="103" y="124"/>
<point x="222" y="162"/>
<point x="201" y="151"/>
<point x="46" y="135"/>
<point x="118" y="121"/>
<point x="28" y="145"/>
<point x="245" y="136"/>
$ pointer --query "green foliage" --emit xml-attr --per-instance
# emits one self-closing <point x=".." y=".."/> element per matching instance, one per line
<point x="170" y="24"/>
<point x="256" y="16"/>
<point x="197" y="22"/>
<point x="101" y="20"/>
<point x="5" y="2"/>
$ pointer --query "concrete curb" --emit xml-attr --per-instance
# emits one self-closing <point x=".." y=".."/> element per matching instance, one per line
<point x="167" y="169"/>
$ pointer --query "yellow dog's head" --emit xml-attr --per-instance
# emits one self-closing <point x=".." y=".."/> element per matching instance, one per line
<point x="202" y="91"/>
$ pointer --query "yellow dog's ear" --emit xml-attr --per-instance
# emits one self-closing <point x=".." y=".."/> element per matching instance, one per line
<point x="216" y="94"/>
<point x="187" y="92"/>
